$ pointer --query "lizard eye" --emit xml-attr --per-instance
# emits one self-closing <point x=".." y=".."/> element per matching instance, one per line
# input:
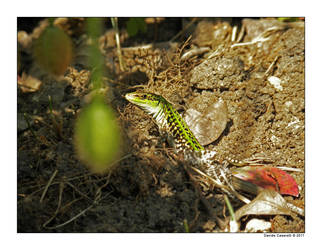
<point x="144" y="96"/>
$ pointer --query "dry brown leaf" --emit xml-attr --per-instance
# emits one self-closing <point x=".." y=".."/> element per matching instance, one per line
<point x="208" y="125"/>
<point x="24" y="39"/>
<point x="28" y="83"/>
<point x="268" y="202"/>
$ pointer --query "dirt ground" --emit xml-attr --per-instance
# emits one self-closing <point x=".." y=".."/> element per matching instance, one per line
<point x="255" y="65"/>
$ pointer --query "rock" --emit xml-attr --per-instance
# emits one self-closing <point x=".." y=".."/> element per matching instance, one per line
<point x="218" y="73"/>
<point x="257" y="226"/>
<point x="54" y="89"/>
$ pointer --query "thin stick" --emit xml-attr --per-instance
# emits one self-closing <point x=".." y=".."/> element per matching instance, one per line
<point x="29" y="126"/>
<point x="241" y="34"/>
<point x="79" y="192"/>
<point x="295" y="209"/>
<point x="271" y="65"/>
<point x="233" y="33"/>
<point x="118" y="44"/>
<point x="204" y="201"/>
<point x="194" y="52"/>
<point x="48" y="184"/>
<point x="239" y="196"/>
<point x="61" y="188"/>
<point x="264" y="36"/>
<point x="72" y="219"/>
<point x="290" y="169"/>
<point x="96" y="200"/>
<point x="184" y="29"/>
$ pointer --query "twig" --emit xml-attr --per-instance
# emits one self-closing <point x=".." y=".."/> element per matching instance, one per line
<point x="264" y="36"/>
<point x="96" y="200"/>
<point x="98" y="197"/>
<point x="184" y="45"/>
<point x="241" y="33"/>
<point x="29" y="126"/>
<point x="211" y="212"/>
<point x="219" y="185"/>
<point x="69" y="204"/>
<point x="70" y="220"/>
<point x="233" y="33"/>
<point x="290" y="169"/>
<point x="72" y="178"/>
<point x="194" y="52"/>
<point x="79" y="192"/>
<point x="61" y="188"/>
<point x="271" y="65"/>
<point x="184" y="29"/>
<point x="118" y="44"/>
<point x="48" y="184"/>
<point x="295" y="209"/>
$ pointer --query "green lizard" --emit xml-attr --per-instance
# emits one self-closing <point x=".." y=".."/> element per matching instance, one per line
<point x="168" y="119"/>
<point x="170" y="122"/>
<point x="180" y="136"/>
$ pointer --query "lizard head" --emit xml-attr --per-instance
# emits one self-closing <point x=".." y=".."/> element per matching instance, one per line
<point x="151" y="103"/>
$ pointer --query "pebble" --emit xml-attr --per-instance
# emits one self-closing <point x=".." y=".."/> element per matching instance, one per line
<point x="276" y="82"/>
<point x="257" y="226"/>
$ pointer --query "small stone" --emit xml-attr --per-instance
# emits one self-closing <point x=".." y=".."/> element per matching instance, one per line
<point x="276" y="82"/>
<point x="288" y="104"/>
<point x="217" y="73"/>
<point x="257" y="226"/>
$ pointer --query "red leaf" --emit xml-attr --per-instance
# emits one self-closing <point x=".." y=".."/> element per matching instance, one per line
<point x="268" y="177"/>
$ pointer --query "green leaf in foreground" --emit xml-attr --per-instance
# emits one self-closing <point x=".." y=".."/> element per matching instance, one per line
<point x="136" y="24"/>
<point x="53" y="51"/>
<point x="97" y="136"/>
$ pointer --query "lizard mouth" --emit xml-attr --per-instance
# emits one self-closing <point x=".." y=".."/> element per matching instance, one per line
<point x="136" y="98"/>
<point x="130" y="97"/>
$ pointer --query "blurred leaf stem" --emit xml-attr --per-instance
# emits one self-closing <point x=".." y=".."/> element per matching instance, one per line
<point x="118" y="44"/>
<point x="96" y="60"/>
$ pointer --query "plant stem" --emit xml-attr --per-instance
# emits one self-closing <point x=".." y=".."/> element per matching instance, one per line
<point x="230" y="208"/>
<point x="117" y="39"/>
<point x="186" y="226"/>
<point x="29" y="126"/>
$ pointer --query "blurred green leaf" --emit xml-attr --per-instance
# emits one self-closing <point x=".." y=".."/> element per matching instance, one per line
<point x="96" y="63"/>
<point x="96" y="59"/>
<point x="289" y="19"/>
<point x="53" y="50"/>
<point x="94" y="27"/>
<point x="97" y="136"/>
<point x="136" y="24"/>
